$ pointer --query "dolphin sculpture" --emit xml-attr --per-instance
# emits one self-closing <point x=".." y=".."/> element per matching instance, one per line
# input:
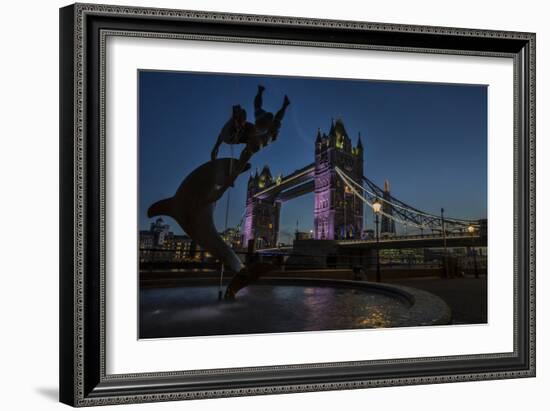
<point x="193" y="207"/>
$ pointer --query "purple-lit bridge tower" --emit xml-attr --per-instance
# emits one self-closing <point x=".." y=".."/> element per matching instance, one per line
<point x="337" y="212"/>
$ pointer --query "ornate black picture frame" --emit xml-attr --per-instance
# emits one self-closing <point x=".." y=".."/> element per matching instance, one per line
<point x="83" y="30"/>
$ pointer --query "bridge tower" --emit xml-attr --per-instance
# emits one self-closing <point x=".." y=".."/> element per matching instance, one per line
<point x="338" y="213"/>
<point x="261" y="220"/>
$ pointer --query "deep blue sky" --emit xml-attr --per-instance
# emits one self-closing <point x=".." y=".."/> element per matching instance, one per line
<point x="428" y="140"/>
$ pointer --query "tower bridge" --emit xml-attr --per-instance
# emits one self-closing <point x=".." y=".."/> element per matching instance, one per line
<point x="340" y="193"/>
<point x="334" y="216"/>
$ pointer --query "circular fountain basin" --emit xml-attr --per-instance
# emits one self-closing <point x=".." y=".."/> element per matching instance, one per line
<point x="285" y="305"/>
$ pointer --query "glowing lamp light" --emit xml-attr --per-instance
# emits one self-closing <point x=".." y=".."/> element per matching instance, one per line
<point x="376" y="206"/>
<point x="471" y="229"/>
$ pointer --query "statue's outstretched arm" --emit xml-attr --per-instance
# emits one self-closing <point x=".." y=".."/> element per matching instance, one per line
<point x="258" y="102"/>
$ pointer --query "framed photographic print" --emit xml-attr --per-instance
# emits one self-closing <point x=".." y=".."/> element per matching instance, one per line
<point x="260" y="204"/>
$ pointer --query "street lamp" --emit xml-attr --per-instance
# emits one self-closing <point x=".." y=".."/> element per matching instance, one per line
<point x="377" y="207"/>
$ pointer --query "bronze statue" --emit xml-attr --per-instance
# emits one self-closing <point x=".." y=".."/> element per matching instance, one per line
<point x="193" y="204"/>
<point x="256" y="136"/>
<point x="193" y="207"/>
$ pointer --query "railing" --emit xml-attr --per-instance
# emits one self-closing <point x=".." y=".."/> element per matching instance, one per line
<point x="437" y="236"/>
<point x="286" y="259"/>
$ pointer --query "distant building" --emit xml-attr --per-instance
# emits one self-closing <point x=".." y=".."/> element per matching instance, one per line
<point x="152" y="245"/>
<point x="159" y="244"/>
<point x="145" y="240"/>
<point x="159" y="231"/>
<point x="233" y="237"/>
<point x="180" y="247"/>
<point x="303" y="235"/>
<point x="402" y="256"/>
<point x="387" y="226"/>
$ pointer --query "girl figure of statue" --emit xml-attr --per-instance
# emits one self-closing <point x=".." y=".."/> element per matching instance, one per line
<point x="257" y="135"/>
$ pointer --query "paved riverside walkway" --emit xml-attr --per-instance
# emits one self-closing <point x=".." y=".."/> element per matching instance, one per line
<point x="466" y="296"/>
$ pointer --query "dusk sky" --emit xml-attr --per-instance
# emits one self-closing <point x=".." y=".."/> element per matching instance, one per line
<point x="428" y="140"/>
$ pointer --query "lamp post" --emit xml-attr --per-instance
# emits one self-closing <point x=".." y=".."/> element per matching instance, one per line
<point x="471" y="230"/>
<point x="376" y="207"/>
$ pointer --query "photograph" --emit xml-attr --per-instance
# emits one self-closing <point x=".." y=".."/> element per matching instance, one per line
<point x="283" y="204"/>
<point x="289" y="200"/>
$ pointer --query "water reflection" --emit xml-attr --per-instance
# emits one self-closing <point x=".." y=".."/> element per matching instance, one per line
<point x="195" y="310"/>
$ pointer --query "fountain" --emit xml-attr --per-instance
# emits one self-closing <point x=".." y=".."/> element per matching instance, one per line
<point x="279" y="305"/>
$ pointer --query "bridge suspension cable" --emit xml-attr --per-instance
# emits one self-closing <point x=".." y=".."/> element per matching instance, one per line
<point x="402" y="213"/>
<point x="369" y="203"/>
